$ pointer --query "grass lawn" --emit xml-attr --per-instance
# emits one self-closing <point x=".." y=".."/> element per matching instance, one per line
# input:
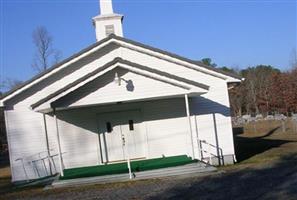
<point x="265" y="141"/>
<point x="266" y="169"/>
<point x="5" y="184"/>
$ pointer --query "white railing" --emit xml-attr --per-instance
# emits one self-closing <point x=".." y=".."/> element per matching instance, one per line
<point x="208" y="151"/>
<point x="43" y="158"/>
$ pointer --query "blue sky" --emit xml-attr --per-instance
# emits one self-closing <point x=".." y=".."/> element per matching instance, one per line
<point x="232" y="33"/>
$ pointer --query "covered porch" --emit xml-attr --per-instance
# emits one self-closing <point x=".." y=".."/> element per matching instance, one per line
<point x="134" y="127"/>
<point x="125" y="142"/>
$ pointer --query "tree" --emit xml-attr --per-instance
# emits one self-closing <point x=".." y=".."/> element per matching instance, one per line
<point x="208" y="62"/>
<point x="294" y="58"/>
<point x="9" y="84"/>
<point x="237" y="99"/>
<point x="258" y="83"/>
<point x="45" y="54"/>
<point x="230" y="70"/>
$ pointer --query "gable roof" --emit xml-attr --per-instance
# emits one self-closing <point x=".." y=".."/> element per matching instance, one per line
<point x="110" y="37"/>
<point x="199" y="63"/>
<point x="125" y="62"/>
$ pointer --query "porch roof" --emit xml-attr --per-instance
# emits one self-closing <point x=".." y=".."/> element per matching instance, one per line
<point x="185" y="86"/>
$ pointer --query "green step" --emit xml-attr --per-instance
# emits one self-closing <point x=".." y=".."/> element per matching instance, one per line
<point x="119" y="168"/>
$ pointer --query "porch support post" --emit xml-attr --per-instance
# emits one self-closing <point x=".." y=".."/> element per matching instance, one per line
<point x="190" y="124"/>
<point x="47" y="144"/>
<point x="59" y="144"/>
<point x="126" y="152"/>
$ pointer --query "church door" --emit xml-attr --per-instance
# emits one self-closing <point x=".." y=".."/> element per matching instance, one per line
<point x="120" y="136"/>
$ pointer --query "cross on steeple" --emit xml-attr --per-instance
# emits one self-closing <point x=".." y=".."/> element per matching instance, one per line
<point x="106" y="7"/>
<point x="107" y="22"/>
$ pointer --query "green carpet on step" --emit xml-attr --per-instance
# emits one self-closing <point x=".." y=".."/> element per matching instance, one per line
<point x="119" y="168"/>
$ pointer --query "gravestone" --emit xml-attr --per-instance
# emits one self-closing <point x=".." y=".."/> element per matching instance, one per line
<point x="294" y="117"/>
<point x="252" y="119"/>
<point x="269" y="117"/>
<point x="240" y="121"/>
<point x="294" y="122"/>
<point x="279" y="117"/>
<point x="259" y="117"/>
<point x="246" y="118"/>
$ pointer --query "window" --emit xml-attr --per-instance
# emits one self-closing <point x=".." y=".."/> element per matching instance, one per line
<point x="109" y="29"/>
<point x="131" y="125"/>
<point x="108" y="127"/>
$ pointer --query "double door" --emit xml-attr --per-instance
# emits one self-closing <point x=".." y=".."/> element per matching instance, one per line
<point x="120" y="136"/>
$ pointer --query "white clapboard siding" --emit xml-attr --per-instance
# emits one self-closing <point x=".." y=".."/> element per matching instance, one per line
<point x="215" y="101"/>
<point x="165" y="123"/>
<point x="26" y="139"/>
<point x="142" y="88"/>
<point x="79" y="138"/>
<point x="167" y="128"/>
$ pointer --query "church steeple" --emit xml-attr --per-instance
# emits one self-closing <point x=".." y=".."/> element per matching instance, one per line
<point x="107" y="22"/>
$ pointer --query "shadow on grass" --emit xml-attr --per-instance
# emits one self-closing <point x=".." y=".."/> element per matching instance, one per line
<point x="4" y="160"/>
<point x="246" y="147"/>
<point x="275" y="181"/>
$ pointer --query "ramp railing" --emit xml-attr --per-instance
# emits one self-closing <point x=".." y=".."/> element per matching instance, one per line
<point x="206" y="148"/>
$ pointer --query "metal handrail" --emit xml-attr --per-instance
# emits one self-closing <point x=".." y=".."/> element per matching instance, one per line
<point x="208" y="151"/>
<point x="38" y="158"/>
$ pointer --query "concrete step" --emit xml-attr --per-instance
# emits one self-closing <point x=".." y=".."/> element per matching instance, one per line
<point x="177" y="168"/>
<point x="174" y="171"/>
<point x="193" y="168"/>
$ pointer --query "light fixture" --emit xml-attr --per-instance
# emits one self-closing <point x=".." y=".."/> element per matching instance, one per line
<point x="117" y="79"/>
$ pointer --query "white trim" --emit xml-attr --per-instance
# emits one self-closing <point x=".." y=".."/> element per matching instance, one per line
<point x="159" y="77"/>
<point x="9" y="146"/>
<point x="185" y="86"/>
<point x="126" y="151"/>
<point x="59" y="145"/>
<point x="47" y="110"/>
<point x="99" y="152"/>
<point x="176" y="60"/>
<point x="190" y="124"/>
<point x="144" y="129"/>
<point x="47" y="143"/>
<point x="55" y="70"/>
<point x="79" y="85"/>
<point x="197" y="139"/>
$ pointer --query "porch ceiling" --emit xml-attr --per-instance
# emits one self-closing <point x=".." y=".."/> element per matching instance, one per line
<point x="50" y="109"/>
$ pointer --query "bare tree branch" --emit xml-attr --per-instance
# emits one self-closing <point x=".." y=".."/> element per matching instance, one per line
<point x="9" y="84"/>
<point x="43" y="42"/>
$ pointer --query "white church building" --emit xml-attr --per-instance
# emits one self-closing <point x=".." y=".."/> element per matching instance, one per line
<point x="113" y="97"/>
